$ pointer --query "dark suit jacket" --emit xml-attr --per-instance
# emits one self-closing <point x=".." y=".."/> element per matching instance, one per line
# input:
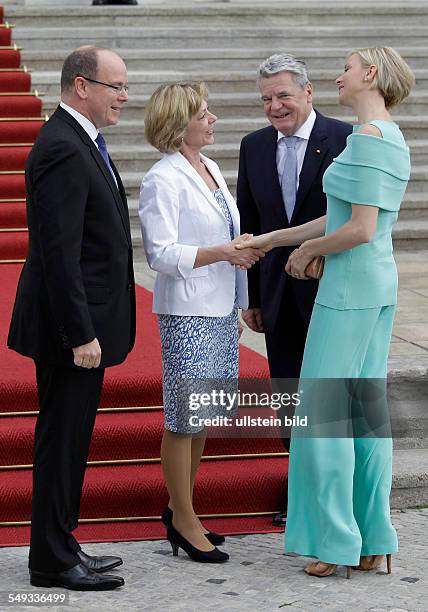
<point x="77" y="283"/>
<point x="262" y="209"/>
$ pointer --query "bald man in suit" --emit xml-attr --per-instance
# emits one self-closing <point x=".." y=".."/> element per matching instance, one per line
<point x="74" y="313"/>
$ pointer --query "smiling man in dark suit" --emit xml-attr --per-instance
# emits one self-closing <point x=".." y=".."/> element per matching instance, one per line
<point x="74" y="312"/>
<point x="280" y="185"/>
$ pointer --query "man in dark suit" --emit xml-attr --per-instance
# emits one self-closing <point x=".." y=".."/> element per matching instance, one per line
<point x="74" y="312"/>
<point x="280" y="185"/>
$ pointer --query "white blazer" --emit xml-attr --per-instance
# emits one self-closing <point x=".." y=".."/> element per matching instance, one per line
<point x="179" y="214"/>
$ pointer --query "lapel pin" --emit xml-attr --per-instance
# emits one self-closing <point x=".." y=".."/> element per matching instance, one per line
<point x="318" y="151"/>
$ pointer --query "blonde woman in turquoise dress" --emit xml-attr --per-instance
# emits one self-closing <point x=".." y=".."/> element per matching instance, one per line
<point x="339" y="487"/>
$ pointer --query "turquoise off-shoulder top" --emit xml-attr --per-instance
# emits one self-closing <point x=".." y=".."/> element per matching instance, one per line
<point x="373" y="171"/>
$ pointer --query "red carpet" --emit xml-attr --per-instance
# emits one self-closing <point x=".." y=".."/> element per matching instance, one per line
<point x="12" y="185"/>
<point x="121" y="436"/>
<point x="145" y="529"/>
<point x="10" y="58"/>
<point x="138" y="490"/>
<point x="225" y="486"/>
<point x="13" y="157"/>
<point x="5" y="36"/>
<point x="19" y="130"/>
<point x="20" y="106"/>
<point x="13" y="245"/>
<point x="12" y="214"/>
<point x="124" y="484"/>
<point x="14" y="81"/>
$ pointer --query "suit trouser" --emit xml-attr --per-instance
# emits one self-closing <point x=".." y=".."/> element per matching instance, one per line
<point x="285" y="345"/>
<point x="68" y="400"/>
<point x="339" y="487"/>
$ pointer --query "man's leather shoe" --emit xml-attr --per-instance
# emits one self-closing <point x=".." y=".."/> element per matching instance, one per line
<point x="280" y="519"/>
<point x="99" y="564"/>
<point x="77" y="578"/>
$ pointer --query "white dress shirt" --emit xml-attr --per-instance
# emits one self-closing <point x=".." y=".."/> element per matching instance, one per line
<point x="87" y="125"/>
<point x="303" y="133"/>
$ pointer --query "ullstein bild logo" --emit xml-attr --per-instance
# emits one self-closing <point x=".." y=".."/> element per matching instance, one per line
<point x="247" y="421"/>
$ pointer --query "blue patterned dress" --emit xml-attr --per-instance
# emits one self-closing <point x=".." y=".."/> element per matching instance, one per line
<point x="195" y="347"/>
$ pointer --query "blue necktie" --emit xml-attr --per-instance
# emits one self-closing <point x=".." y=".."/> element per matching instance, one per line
<point x="102" y="147"/>
<point x="289" y="175"/>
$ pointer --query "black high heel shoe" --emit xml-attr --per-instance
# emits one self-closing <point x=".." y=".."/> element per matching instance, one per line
<point x="177" y="541"/>
<point x="214" y="538"/>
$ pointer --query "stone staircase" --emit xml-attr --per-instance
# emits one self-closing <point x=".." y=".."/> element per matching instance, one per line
<point x="223" y="43"/>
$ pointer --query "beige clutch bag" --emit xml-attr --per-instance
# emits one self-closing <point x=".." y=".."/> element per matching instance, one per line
<point x="315" y="268"/>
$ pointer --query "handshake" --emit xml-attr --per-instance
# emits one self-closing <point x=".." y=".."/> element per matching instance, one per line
<point x="245" y="250"/>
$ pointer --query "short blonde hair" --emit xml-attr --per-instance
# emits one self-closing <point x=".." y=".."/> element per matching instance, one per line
<point x="394" y="78"/>
<point x="168" y="112"/>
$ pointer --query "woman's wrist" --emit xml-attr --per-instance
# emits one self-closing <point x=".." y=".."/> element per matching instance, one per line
<point x="309" y="247"/>
<point x="279" y="237"/>
<point x="220" y="252"/>
<point x="212" y="254"/>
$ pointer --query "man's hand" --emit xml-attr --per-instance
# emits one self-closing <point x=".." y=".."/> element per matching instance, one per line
<point x="88" y="355"/>
<point x="253" y="318"/>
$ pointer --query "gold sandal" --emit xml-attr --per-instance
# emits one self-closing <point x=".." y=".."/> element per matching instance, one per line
<point x="321" y="569"/>
<point x="373" y="562"/>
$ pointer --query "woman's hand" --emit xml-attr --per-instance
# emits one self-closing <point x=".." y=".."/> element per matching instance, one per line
<point x="244" y="257"/>
<point x="263" y="241"/>
<point x="299" y="260"/>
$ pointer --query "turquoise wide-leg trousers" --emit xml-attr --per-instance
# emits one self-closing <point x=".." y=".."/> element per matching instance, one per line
<point x="339" y="487"/>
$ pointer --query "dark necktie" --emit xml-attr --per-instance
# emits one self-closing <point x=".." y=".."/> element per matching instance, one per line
<point x="102" y="147"/>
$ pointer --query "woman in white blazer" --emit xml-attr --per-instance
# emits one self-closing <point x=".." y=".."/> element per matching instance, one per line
<point x="190" y="225"/>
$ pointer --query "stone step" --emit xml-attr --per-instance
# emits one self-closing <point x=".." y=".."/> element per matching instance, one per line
<point x="407" y="405"/>
<point x="302" y="14"/>
<point x="419" y="151"/>
<point x="410" y="478"/>
<point x="140" y="157"/>
<point x="227" y="36"/>
<point x="227" y="130"/>
<point x="218" y="82"/>
<point x="414" y="206"/>
<point x="220" y="59"/>
<point x="409" y="423"/>
<point x="411" y="234"/>
<point x="249" y="105"/>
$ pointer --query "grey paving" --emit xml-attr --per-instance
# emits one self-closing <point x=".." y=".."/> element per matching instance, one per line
<point x="259" y="577"/>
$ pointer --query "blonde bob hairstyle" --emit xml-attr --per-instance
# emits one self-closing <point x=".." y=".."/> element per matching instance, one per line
<point x="168" y="112"/>
<point x="394" y="78"/>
